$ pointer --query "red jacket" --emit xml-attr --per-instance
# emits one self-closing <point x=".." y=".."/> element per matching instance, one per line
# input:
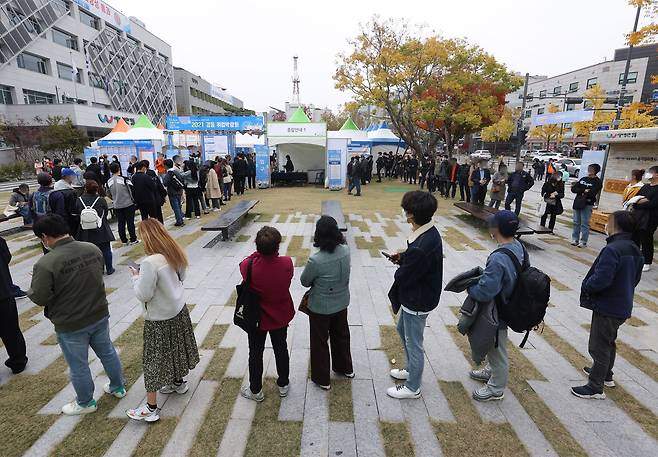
<point x="271" y="277"/>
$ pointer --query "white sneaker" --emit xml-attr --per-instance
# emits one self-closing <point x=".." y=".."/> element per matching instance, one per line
<point x="574" y="243"/>
<point x="401" y="375"/>
<point x="283" y="391"/>
<point x="582" y="245"/>
<point x="118" y="393"/>
<point x="646" y="267"/>
<point x="144" y="413"/>
<point x="171" y="388"/>
<point x="246" y="392"/>
<point x="402" y="392"/>
<point x="74" y="409"/>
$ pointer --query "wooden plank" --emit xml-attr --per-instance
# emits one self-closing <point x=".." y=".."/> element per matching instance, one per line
<point x="334" y="209"/>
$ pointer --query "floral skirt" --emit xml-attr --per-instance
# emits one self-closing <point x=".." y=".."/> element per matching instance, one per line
<point x="170" y="350"/>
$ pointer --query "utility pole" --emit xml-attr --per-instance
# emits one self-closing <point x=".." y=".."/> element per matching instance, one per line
<point x="519" y="124"/>
<point x="295" y="83"/>
<point x="622" y="91"/>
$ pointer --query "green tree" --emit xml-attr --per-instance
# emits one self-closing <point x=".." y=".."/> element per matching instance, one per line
<point x="62" y="139"/>
<point x="432" y="88"/>
<point x="23" y="138"/>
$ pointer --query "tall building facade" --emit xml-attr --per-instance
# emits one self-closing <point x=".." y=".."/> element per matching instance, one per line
<point x="84" y="60"/>
<point x="196" y="96"/>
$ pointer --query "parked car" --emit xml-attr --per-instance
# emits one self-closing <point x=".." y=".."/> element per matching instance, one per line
<point x="481" y="154"/>
<point x="573" y="166"/>
<point x="545" y="156"/>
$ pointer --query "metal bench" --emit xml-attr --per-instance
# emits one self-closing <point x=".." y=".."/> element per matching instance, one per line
<point x="484" y="212"/>
<point x="228" y="223"/>
<point x="334" y="209"/>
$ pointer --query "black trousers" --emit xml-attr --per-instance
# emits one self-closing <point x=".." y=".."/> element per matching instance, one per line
<point x="332" y="327"/>
<point x="603" y="348"/>
<point x="126" y="216"/>
<point x="451" y="189"/>
<point x="464" y="192"/>
<point x="549" y="212"/>
<point x="257" y="346"/>
<point x="192" y="201"/>
<point x="11" y="335"/>
<point x="238" y="185"/>
<point x="251" y="181"/>
<point x="147" y="210"/>
<point x="644" y="240"/>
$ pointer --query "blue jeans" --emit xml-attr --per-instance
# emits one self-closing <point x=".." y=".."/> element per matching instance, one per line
<point x="355" y="182"/>
<point x="106" y="249"/>
<point x="27" y="215"/>
<point x="175" y="202"/>
<point x="581" y="219"/>
<point x="75" y="347"/>
<point x="410" y="329"/>
<point x="516" y="197"/>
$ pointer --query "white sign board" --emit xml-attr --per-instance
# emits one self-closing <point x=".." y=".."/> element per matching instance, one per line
<point x="106" y="12"/>
<point x="590" y="157"/>
<point x="214" y="145"/>
<point x="297" y="130"/>
<point x="563" y="117"/>
<point x="625" y="135"/>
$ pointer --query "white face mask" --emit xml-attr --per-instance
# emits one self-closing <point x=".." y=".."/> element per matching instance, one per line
<point x="648" y="176"/>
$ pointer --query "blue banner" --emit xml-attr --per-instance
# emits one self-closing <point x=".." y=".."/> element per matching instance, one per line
<point x="206" y="123"/>
<point x="334" y="161"/>
<point x="262" y="166"/>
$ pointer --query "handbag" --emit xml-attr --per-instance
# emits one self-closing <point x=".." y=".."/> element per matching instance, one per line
<point x="580" y="202"/>
<point x="303" y="304"/>
<point x="550" y="201"/>
<point x="247" y="307"/>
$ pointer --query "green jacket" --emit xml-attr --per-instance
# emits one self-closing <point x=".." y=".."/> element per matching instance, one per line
<point x="68" y="282"/>
<point x="328" y="276"/>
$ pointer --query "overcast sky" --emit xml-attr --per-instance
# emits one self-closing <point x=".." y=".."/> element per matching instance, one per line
<point x="247" y="46"/>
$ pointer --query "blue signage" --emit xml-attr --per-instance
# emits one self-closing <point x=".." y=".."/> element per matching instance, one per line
<point x="334" y="162"/>
<point x="206" y="123"/>
<point x="262" y="165"/>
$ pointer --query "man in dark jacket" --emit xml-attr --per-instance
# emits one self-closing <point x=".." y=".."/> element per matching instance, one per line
<point x="10" y="331"/>
<point x="462" y="179"/>
<point x="417" y="288"/>
<point x="144" y="189"/>
<point x="354" y="174"/>
<point x="480" y="179"/>
<point x="517" y="184"/>
<point x="94" y="168"/>
<point x="57" y="169"/>
<point x="251" y="177"/>
<point x="240" y="172"/>
<point x="380" y="166"/>
<point x="173" y="182"/>
<point x="608" y="290"/>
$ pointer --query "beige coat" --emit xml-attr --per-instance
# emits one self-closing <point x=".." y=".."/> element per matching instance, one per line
<point x="213" y="189"/>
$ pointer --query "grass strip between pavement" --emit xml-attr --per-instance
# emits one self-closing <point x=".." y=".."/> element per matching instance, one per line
<point x="296" y="250"/>
<point x="374" y="247"/>
<point x="397" y="439"/>
<point x="341" y="408"/>
<point x="458" y="241"/>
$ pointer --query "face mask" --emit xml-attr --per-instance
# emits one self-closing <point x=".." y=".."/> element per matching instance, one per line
<point x="648" y="176"/>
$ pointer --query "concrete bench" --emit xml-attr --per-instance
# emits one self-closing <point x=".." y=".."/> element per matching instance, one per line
<point x="334" y="209"/>
<point x="484" y="213"/>
<point x="228" y="223"/>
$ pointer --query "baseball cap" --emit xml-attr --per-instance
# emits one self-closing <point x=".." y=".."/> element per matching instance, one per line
<point x="67" y="172"/>
<point x="505" y="221"/>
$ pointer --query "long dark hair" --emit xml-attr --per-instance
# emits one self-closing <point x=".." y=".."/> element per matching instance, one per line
<point x="327" y="234"/>
<point x="191" y="166"/>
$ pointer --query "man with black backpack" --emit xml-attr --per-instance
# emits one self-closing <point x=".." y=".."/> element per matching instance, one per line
<point x="173" y="182"/>
<point x="521" y="296"/>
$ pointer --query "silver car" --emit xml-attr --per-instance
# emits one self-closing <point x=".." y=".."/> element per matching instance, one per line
<point x="573" y="166"/>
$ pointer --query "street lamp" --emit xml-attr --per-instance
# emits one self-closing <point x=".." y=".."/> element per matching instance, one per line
<point x="622" y="90"/>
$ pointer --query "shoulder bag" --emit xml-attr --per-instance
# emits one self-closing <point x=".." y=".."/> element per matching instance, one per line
<point x="247" y="306"/>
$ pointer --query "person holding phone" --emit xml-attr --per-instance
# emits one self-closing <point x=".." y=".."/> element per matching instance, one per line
<point x="170" y="349"/>
<point x="416" y="289"/>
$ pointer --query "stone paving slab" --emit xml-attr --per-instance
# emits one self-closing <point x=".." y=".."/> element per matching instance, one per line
<point x="342" y="440"/>
<point x="366" y="420"/>
<point x="315" y="431"/>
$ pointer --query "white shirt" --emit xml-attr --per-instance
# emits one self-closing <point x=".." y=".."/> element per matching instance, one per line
<point x="410" y="239"/>
<point x="159" y="288"/>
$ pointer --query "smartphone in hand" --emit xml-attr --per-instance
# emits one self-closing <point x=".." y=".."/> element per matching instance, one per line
<point x="387" y="255"/>
<point x="132" y="264"/>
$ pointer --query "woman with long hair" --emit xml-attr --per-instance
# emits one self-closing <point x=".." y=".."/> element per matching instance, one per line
<point x="170" y="349"/>
<point x="552" y="192"/>
<point x="633" y="187"/>
<point x="327" y="273"/>
<point x="192" y="191"/>
<point x="100" y="236"/>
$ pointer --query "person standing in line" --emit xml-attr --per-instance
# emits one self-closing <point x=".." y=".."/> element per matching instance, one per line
<point x="68" y="282"/>
<point x="63" y="199"/>
<point x="170" y="348"/>
<point x="160" y="166"/>
<point x="213" y="188"/>
<point x="173" y="182"/>
<point x="608" y="290"/>
<point x="633" y="187"/>
<point x="192" y="192"/>
<point x="463" y="177"/>
<point x="379" y="164"/>
<point x="552" y="192"/>
<point x="203" y="185"/>
<point x="550" y="169"/>
<point x="160" y="193"/>
<point x="518" y="183"/>
<point x="499" y="181"/>
<point x="38" y="167"/>
<point x="646" y="212"/>
<point x="251" y="165"/>
<point x="120" y="190"/>
<point x="144" y="191"/>
<point x="10" y="330"/>
<point x="355" y="177"/>
<point x="416" y="289"/>
<point x="498" y="282"/>
<point x="102" y="236"/>
<point x="78" y="182"/>
<point x="271" y="276"/>
<point x="451" y="183"/>
<point x="57" y="169"/>
<point x="587" y="190"/>
<point x="327" y="273"/>
<point x="240" y="172"/>
<point x="227" y="178"/>
<point x="131" y="166"/>
<point x="480" y="178"/>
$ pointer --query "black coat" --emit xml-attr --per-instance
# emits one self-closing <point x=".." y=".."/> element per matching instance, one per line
<point x="96" y="170"/>
<point x="547" y="189"/>
<point x="475" y="177"/>
<point x="144" y="189"/>
<point x="5" y="275"/>
<point x="240" y="168"/>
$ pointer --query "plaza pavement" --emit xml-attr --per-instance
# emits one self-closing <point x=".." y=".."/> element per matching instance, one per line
<point x="538" y="417"/>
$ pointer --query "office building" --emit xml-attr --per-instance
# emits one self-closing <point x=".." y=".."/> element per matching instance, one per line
<point x="83" y="60"/>
<point x="196" y="96"/>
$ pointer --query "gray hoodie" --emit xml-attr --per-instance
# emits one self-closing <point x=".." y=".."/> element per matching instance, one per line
<point x="119" y="189"/>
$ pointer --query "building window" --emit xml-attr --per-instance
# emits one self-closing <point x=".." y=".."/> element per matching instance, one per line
<point x="96" y="81"/>
<point x="32" y="97"/>
<point x="573" y="87"/>
<point x="530" y="96"/>
<point x="570" y="107"/>
<point x="587" y="104"/>
<point x="5" y="96"/>
<point x="567" y="125"/>
<point x="528" y="113"/>
<point x="540" y="111"/>
<point x="65" y="39"/>
<point x="64" y="5"/>
<point x="542" y="94"/>
<point x="557" y="90"/>
<point x="632" y="78"/>
<point x="32" y="62"/>
<point x="88" y="19"/>
<point x="591" y="82"/>
<point x="66" y="72"/>
<point x="626" y="100"/>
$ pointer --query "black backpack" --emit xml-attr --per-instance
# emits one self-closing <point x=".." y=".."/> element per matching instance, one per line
<point x="526" y="308"/>
<point x="247" y="307"/>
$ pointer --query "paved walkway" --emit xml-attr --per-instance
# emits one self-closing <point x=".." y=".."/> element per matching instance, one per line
<point x="356" y="418"/>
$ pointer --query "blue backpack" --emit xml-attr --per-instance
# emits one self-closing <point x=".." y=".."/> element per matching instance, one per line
<point x="40" y="203"/>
